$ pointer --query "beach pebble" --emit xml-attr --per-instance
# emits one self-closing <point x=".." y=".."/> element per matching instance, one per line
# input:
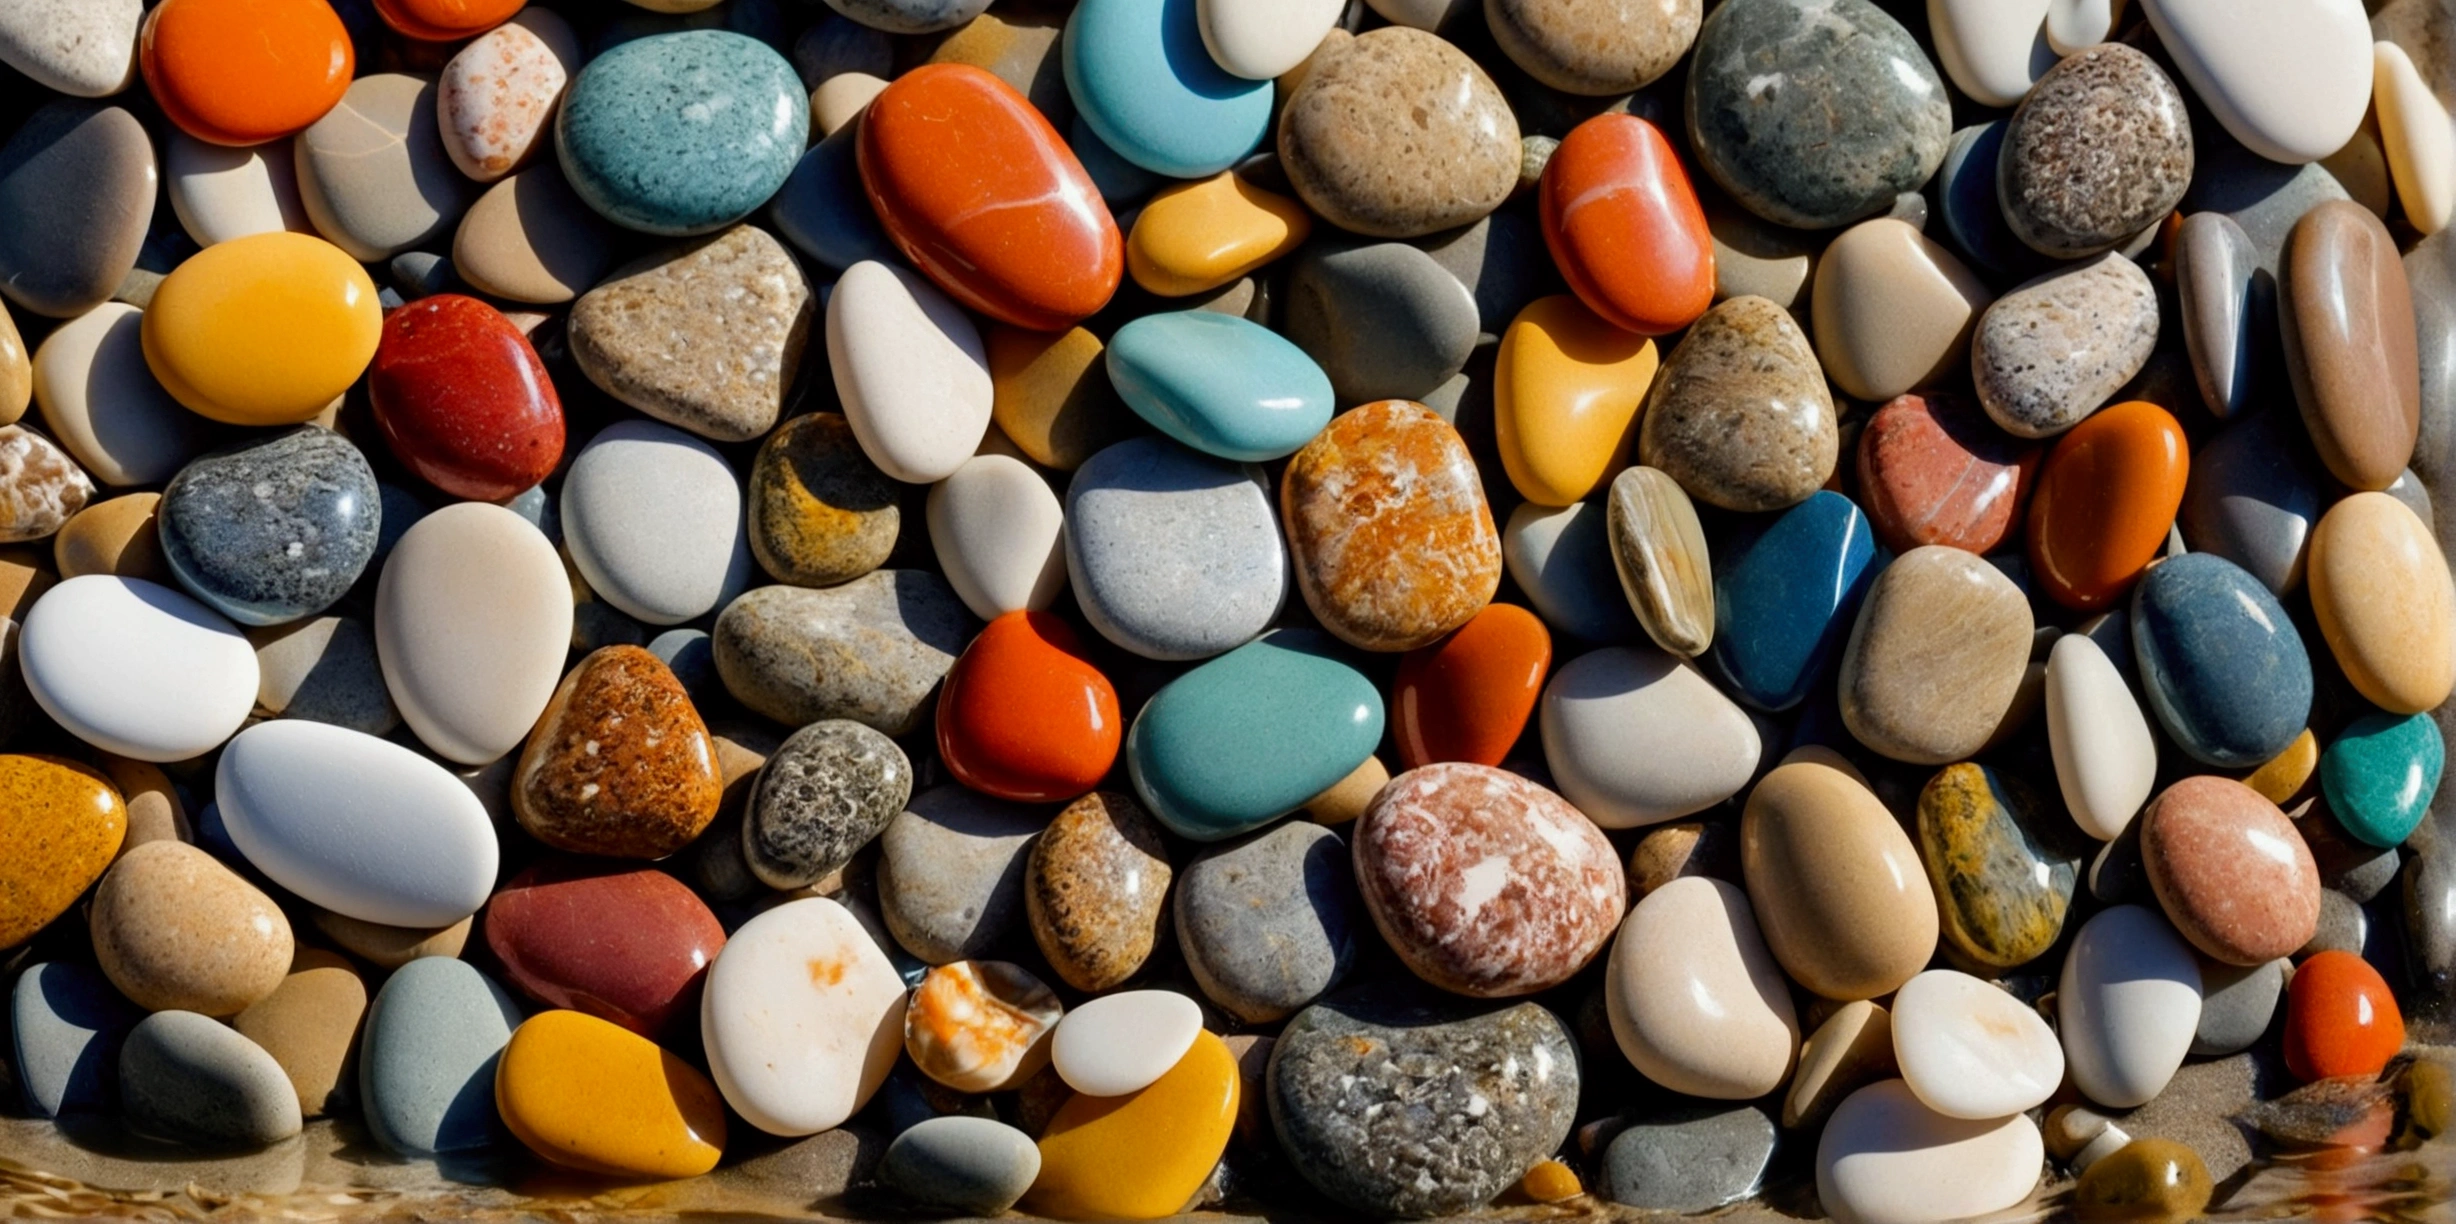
<point x="1024" y="714"/>
<point x="980" y="1026"/>
<point x="625" y="944"/>
<point x="116" y="536"/>
<point x="653" y="519"/>
<point x="1143" y="82"/>
<point x="1852" y="1049"/>
<point x="100" y="401"/>
<point x="242" y="74"/>
<point x="2128" y="1005"/>
<point x="820" y="512"/>
<point x="1659" y="551"/>
<point x="2050" y="352"/>
<point x="1106" y="1158"/>
<point x="1270" y="923"/>
<point x="1969" y="1050"/>
<point x="174" y="928"/>
<point x="1619" y="216"/>
<point x="2105" y="758"/>
<point x="1772" y="638"/>
<point x="1468" y="696"/>
<point x="2254" y="496"/>
<point x="910" y="370"/>
<point x="1562" y="560"/>
<point x="498" y="94"/>
<point x="1354" y="146"/>
<point x="1385" y="320"/>
<point x="66" y="1023"/>
<point x="2385" y="604"/>
<point x="1173" y="554"/>
<point x="950" y="873"/>
<point x="2291" y="85"/>
<point x="84" y="50"/>
<point x="1893" y="309"/>
<point x="1194" y="238"/>
<point x="1993" y="53"/>
<point x="1220" y="384"/>
<point x="1096" y="890"/>
<point x="1740" y="415"/>
<point x="529" y="239"/>
<point x="999" y="533"/>
<point x="1886" y="1158"/>
<point x="273" y="529"/>
<point x="309" y="1024"/>
<point x="1932" y="470"/>
<point x="2341" y="1019"/>
<point x="1566" y="389"/>
<point x="1421" y="558"/>
<point x="1695" y="1001"/>
<point x="708" y="337"/>
<point x="2236" y="1005"/>
<point x="832" y="787"/>
<point x="373" y="173"/>
<point x="2381" y="774"/>
<point x="2350" y="344"/>
<point x="971" y="1166"/>
<point x="2420" y="142"/>
<point x="2230" y="870"/>
<point x="682" y="133"/>
<point x="2099" y="150"/>
<point x="2105" y="502"/>
<point x="427" y="1058"/>
<point x="77" y="187"/>
<point x="473" y="619"/>
<point x="1935" y="658"/>
<point x="191" y="1079"/>
<point x="1635" y="737"/>
<point x="1834" y="880"/>
<point x="802" y="1018"/>
<point x="2003" y="869"/>
<point x="269" y="329"/>
<point x="463" y="401"/>
<point x="41" y="488"/>
<point x="591" y="1096"/>
<point x="2225" y="672"/>
<point x="1252" y="735"/>
<point x="136" y="668"/>
<point x="1122" y="1043"/>
<point x="2215" y="292"/>
<point x="871" y="650"/>
<point x="619" y="764"/>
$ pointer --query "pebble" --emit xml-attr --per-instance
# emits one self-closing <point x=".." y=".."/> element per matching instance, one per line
<point x="1354" y="146"/>
<point x="1691" y="1161"/>
<point x="1252" y="735"/>
<point x="2292" y="86"/>
<point x="497" y="94"/>
<point x="309" y="1024"/>
<point x="270" y="329"/>
<point x="2349" y="343"/>
<point x="1385" y="320"/>
<point x="1994" y="55"/>
<point x="951" y="874"/>
<point x="174" y="928"/>
<point x="1050" y="395"/>
<point x="1220" y="384"/>
<point x="1893" y="309"/>
<point x="1936" y="656"/>
<point x="591" y="1096"/>
<point x="1619" y="216"/>
<point x="1143" y="82"/>
<point x="2047" y="354"/>
<point x="2146" y="1179"/>
<point x="1025" y="716"/>
<point x="85" y="50"/>
<point x="871" y="650"/>
<point x="682" y="133"/>
<point x="1635" y="737"/>
<point x="1567" y="388"/>
<point x="1932" y="470"/>
<point x="220" y="193"/>
<point x="2340" y="1019"/>
<point x="473" y="619"/>
<point x="1852" y="1049"/>
<point x="1173" y="554"/>
<point x="190" y="1079"/>
<point x="1659" y="551"/>
<point x="1120" y="1044"/>
<point x="1467" y="697"/>
<point x="841" y="99"/>
<point x="373" y="174"/>
<point x="653" y="520"/>
<point x="2003" y="879"/>
<point x="1860" y="117"/>
<point x="2099" y="150"/>
<point x="529" y="239"/>
<point x="2385" y="604"/>
<point x="1773" y="635"/>
<point x="1740" y="415"/>
<point x="1270" y="923"/>
<point x="910" y="370"/>
<point x="802" y="1018"/>
<point x="77" y="185"/>
<point x="234" y="72"/>
<point x="821" y="513"/>
<point x="136" y="668"/>
<point x="619" y="763"/>
<point x="463" y="401"/>
<point x="274" y="528"/>
<point x="2224" y="670"/>
<point x="1421" y="558"/>
<point x="1593" y="50"/>
<point x="980" y="1026"/>
<point x="1095" y="890"/>
<point x="2106" y="500"/>
<point x="1835" y="881"/>
<point x="66" y="1024"/>
<point x="1484" y="883"/>
<point x="118" y="536"/>
<point x="832" y="787"/>
<point x="2380" y="775"/>
<point x="969" y="1166"/>
<point x="1393" y="1106"/>
<point x="708" y="337"/>
<point x="2230" y="870"/>
<point x="625" y="944"/>
<point x="428" y="1055"/>
<point x="1695" y="1001"/>
<point x="1885" y="1157"/>
<point x="2253" y="498"/>
<point x="1145" y="1156"/>
<point x="1195" y="237"/>
<point x="2219" y="303"/>
<point x="2237" y="1003"/>
<point x="1968" y="1049"/>
<point x="41" y="488"/>
<point x="2105" y="758"/>
<point x="2420" y="143"/>
<point x="102" y="405"/>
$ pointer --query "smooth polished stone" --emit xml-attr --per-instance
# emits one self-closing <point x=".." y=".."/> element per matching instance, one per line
<point x="1398" y="134"/>
<point x="1967" y="205"/>
<point x="830" y="789"/>
<point x="1388" y="533"/>
<point x="463" y="400"/>
<point x="1740" y="415"/>
<point x="1620" y="217"/>
<point x="2100" y="149"/>
<point x="682" y="133"/>
<point x="841" y="99"/>
<point x="1689" y="1161"/>
<point x="77" y="184"/>
<point x="497" y="94"/>
<point x="2106" y="498"/>
<point x="1968" y="1049"/>
<point x="1467" y="697"/>
<point x="192" y="1080"/>
<point x="1861" y="116"/>
<point x="1893" y="309"/>
<point x="871" y="650"/>
<point x="1636" y="737"/>
<point x="2219" y="300"/>
<point x="84" y="50"/>
<point x="173" y="928"/>
<point x="1659" y="551"/>
<point x="1024" y="715"/>
<point x="1050" y="395"/>
<point x="2418" y="137"/>
<point x="1835" y="881"/>
<point x="1122" y="1043"/>
<point x="1935" y="657"/>
<point x="274" y="528"/>
<point x="1484" y="883"/>
<point x="1774" y="627"/>
<point x="950" y="883"/>
<point x="1567" y="387"/>
<point x="1220" y="384"/>
<point x="1143" y="1156"/>
<point x="309" y="1024"/>
<point x="2350" y="343"/>
<point x="1270" y="923"/>
<point x="820" y="512"/>
<point x="2253" y="497"/>
<point x="2047" y="354"/>
<point x="428" y="1055"/>
<point x="115" y="536"/>
<point x="1142" y="80"/>
<point x="2156" y="1179"/>
<point x="100" y="400"/>
<point x="136" y="668"/>
<point x="16" y="371"/>
<point x="628" y="945"/>
<point x="2380" y="775"/>
<point x="68" y="822"/>
<point x="1018" y="46"/>
<point x="1593" y="50"/>
<point x="2341" y="1019"/>
<point x="1173" y="554"/>
<point x="1562" y="559"/>
<point x="241" y="72"/>
<point x="2224" y="670"/>
<point x="2289" y="773"/>
<point x="981" y="1026"/>
<point x="1994" y="53"/>
<point x="708" y="337"/>
<point x="1252" y="735"/>
<point x="41" y="488"/>
<point x="1198" y="236"/>
<point x="2105" y="758"/>
<point x="66" y="1023"/>
<point x="1933" y="470"/>
<point x="965" y="1165"/>
<point x="2290" y="80"/>
<point x="1353" y="1080"/>
<point x="1696" y="1002"/>
<point x="619" y="764"/>
<point x="1886" y="1158"/>
<point x="1265" y="40"/>
<point x="530" y="239"/>
<point x="355" y="824"/>
<point x="653" y="520"/>
<point x="473" y="619"/>
<point x="372" y="172"/>
<point x="2385" y="603"/>
<point x="1095" y="890"/>
<point x="389" y="947"/>
<point x="1385" y="320"/>
<point x="269" y="329"/>
<point x="802" y="1017"/>
<point x="443" y="20"/>
<point x="2004" y="879"/>
<point x="2230" y="870"/>
<point x="588" y="1095"/>
<point x="910" y="371"/>
<point x="1853" y="1048"/>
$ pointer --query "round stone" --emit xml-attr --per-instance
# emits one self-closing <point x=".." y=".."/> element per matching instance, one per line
<point x="2254" y="497"/>
<point x="1635" y="737"/>
<point x="1619" y="216"/>
<point x="1467" y="697"/>
<point x="2051" y="351"/>
<point x="871" y="650"/>
<point x="530" y="239"/>
<point x="2107" y="496"/>
<point x="1772" y="637"/>
<point x="1593" y="49"/>
<point x="119" y="536"/>
<point x="1968" y="1049"/>
<point x="1173" y="554"/>
<point x="309" y="1024"/>
<point x="831" y="788"/>
<point x="1690" y="1161"/>
<point x="1095" y="890"/>
<point x="980" y="1026"/>
<point x="1270" y="923"/>
<point x="1252" y="735"/>
<point x="1397" y="135"/>
<point x="2099" y="150"/>
<point x="1835" y="881"/>
<point x="101" y="402"/>
<point x="1740" y="416"/>
<point x="174" y="929"/>
<point x="1696" y="1002"/>
<point x="950" y="874"/>
<point x="269" y="329"/>
<point x="427" y="1058"/>
<point x="1884" y="1155"/>
<point x="136" y="668"/>
<point x="87" y="50"/>
<point x="910" y="371"/>
<point x="682" y="133"/>
<point x="241" y="72"/>
<point x="1025" y="715"/>
<point x="1105" y="1158"/>
<point x="2385" y="603"/>
<point x="590" y="1096"/>
<point x="1566" y="389"/>
<point x="497" y="94"/>
<point x="274" y="528"/>
<point x="653" y="520"/>
<point x="373" y="173"/>
<point x="2230" y="870"/>
<point x="2313" y="54"/>
<point x="708" y="337"/>
<point x="1892" y="308"/>
<point x="802" y="1018"/>
<point x="1936" y="658"/>
<point x="2004" y="879"/>
<point x="2128" y="1003"/>
<point x="2341" y="1019"/>
<point x="77" y="185"/>
<point x="191" y="1079"/>
<point x="2224" y="670"/>
<point x="473" y="619"/>
<point x="66" y="1024"/>
<point x="1145" y="87"/>
<point x="1391" y="541"/>
<point x="1222" y="384"/>
<point x="2381" y="774"/>
<point x="1852" y="1049"/>
<point x="619" y="764"/>
<point x="1120" y="1044"/>
<point x="1932" y="470"/>
<point x="2214" y="262"/>
<point x="69" y="822"/>
<point x="2145" y="1179"/>
<point x="972" y="1166"/>
<point x="463" y="400"/>
<point x="820" y="512"/>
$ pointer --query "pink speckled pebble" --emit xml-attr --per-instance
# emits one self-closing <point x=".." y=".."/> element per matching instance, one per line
<point x="497" y="96"/>
<point x="2231" y="870"/>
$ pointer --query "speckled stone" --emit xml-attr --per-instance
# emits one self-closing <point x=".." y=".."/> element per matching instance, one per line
<point x="41" y="488"/>
<point x="1814" y="114"/>
<point x="1270" y="923"/>
<point x="708" y="337"/>
<point x="1740" y="415"/>
<point x="1691" y="1161"/>
<point x="682" y="133"/>
<point x="2099" y="150"/>
<point x="820" y="512"/>
<point x="2253" y="498"/>
<point x="821" y="797"/>
<point x="274" y="528"/>
<point x="2050" y="352"/>
<point x="1936" y="658"/>
<point x="950" y="873"/>
<point x="1394" y="1106"/>
<point x="1397" y="135"/>
<point x="2004" y="878"/>
<point x="620" y="764"/>
<point x="1392" y="542"/>
<point x="65" y="1025"/>
<point x="1096" y="890"/>
<point x="173" y="928"/>
<point x="2224" y="670"/>
<point x="1384" y="319"/>
<point x="193" y="1080"/>
<point x="64" y="823"/>
<point x="1659" y="551"/>
<point x="323" y="669"/>
<point x="871" y="650"/>
<point x="1173" y="554"/>
<point x="1591" y="48"/>
<point x="77" y="186"/>
<point x="84" y="49"/>
<point x="2230" y="870"/>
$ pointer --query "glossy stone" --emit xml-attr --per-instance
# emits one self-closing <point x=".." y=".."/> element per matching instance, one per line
<point x="2099" y="150"/>
<point x="2348" y="318"/>
<point x="591" y="1096"/>
<point x="1933" y="470"/>
<point x="190" y="1079"/>
<point x="77" y="185"/>
<point x="1659" y="551"/>
<point x="625" y="945"/>
<point x="2003" y="880"/>
<point x="1692" y="1160"/>
<point x="473" y="620"/>
<point x="1567" y="386"/>
<point x="1220" y="384"/>
<point x="242" y="72"/>
<point x="1251" y="735"/>
<point x="1834" y="880"/>
<point x="1853" y="1048"/>
<point x="2420" y="146"/>
<point x="1143" y="82"/>
<point x="1695" y="1001"/>
<point x="1352" y="144"/>
<point x="1173" y="554"/>
<point x="2340" y="1019"/>
<point x="2380" y="775"/>
<point x="801" y="1018"/>
<point x="682" y="133"/>
<point x="2253" y="498"/>
<point x="2107" y="495"/>
<point x="1387" y="528"/>
<point x="2230" y="870"/>
<point x="1468" y="696"/>
<point x="2047" y="354"/>
<point x="1142" y="1156"/>
<point x="1775" y="628"/>
<point x="1122" y="1043"/>
<point x="1969" y="1049"/>
<point x="2224" y="670"/>
<point x="820" y="512"/>
<point x="821" y="797"/>
<point x="2219" y="299"/>
<point x="463" y="401"/>
<point x="871" y="650"/>
<point x="1740" y="415"/>
<point x="1095" y="890"/>
<point x="1025" y="716"/>
<point x="1386" y="320"/>
<point x="951" y="874"/>
<point x="2106" y="762"/>
<point x="264" y="330"/>
<point x="41" y="487"/>
<point x="708" y="337"/>
<point x="980" y="1026"/>
<point x="620" y="764"/>
<point x="137" y="669"/>
<point x="1635" y="737"/>
<point x="273" y="529"/>
<point x="1195" y="237"/>
<point x="68" y="822"/>
<point x="2385" y="604"/>
<point x="1624" y="225"/>
<point x="2156" y="1179"/>
<point x="372" y="172"/>
<point x="2314" y="53"/>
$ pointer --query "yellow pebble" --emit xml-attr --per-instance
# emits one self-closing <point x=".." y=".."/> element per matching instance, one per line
<point x="16" y="371"/>
<point x="1550" y="1181"/>
<point x="2285" y="774"/>
<point x="1050" y="395"/>
<point x="62" y="824"/>
<point x="1198" y="236"/>
<point x="1143" y="1156"/>
<point x="264" y="330"/>
<point x="591" y="1095"/>
<point x="1566" y="388"/>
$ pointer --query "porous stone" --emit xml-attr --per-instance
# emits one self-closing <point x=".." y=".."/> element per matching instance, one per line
<point x="2099" y="150"/>
<point x="821" y="797"/>
<point x="871" y="650"/>
<point x="708" y="338"/>
<point x="1095" y="890"/>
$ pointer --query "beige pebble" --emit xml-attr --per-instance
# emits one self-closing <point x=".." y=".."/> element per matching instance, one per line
<point x="389" y="947"/>
<point x="1892" y="309"/>
<point x="841" y="98"/>
<point x="1936" y="658"/>
<point x="154" y="810"/>
<point x="1853" y="1048"/>
<point x="117" y="536"/>
<point x="530" y="239"/>
<point x="309" y="1024"/>
<point x="1837" y="886"/>
<point x="173" y="928"/>
<point x="2380" y="590"/>
<point x="1349" y="796"/>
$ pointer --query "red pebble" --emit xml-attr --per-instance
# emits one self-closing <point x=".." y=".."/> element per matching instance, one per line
<point x="983" y="196"/>
<point x="1467" y="696"/>
<point x="627" y="944"/>
<point x="463" y="400"/>
<point x="1024" y="716"/>
<point x="2340" y="1019"/>
<point x="1625" y="226"/>
<point x="1934" y="470"/>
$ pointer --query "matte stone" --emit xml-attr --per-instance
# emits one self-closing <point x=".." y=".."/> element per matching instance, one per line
<point x="66" y="1024"/>
<point x="2099" y="150"/>
<point x="1689" y="1162"/>
<point x="2236" y="1004"/>
<point x="871" y="650"/>
<point x="1270" y="923"/>
<point x="2224" y="670"/>
<point x="323" y="669"/>
<point x="1018" y="46"/>
<point x="373" y="173"/>
<point x="2003" y="863"/>
<point x="822" y="209"/>
<point x="531" y="239"/>
<point x="820" y="798"/>
<point x="971" y="1166"/>
<point x="1173" y="554"/>
<point x="426" y="1065"/>
<point x="2047" y="354"/>
<point x="2253" y="497"/>
<point x="950" y="873"/>
<point x="274" y="528"/>
<point x="1501" y="260"/>
<point x="1740" y="414"/>
<point x="309" y="1024"/>
<point x="708" y="337"/>
<point x="77" y="185"/>
<point x="2219" y="299"/>
<point x="1397" y="135"/>
<point x="192" y="1079"/>
<point x="1774" y="632"/>
<point x="1384" y="319"/>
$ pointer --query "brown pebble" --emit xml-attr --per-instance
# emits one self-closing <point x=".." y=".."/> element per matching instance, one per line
<point x="1740" y="415"/>
<point x="1096" y="888"/>
<point x="389" y="947"/>
<point x="620" y="763"/>
<point x="154" y="810"/>
<point x="1397" y="135"/>
<point x="309" y="1024"/>
<point x="1349" y="796"/>
<point x="174" y="929"/>
<point x="113" y="537"/>
<point x="2350" y="343"/>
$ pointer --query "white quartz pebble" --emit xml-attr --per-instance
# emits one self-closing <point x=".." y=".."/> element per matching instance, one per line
<point x="472" y="623"/>
<point x="802" y="1018"/>
<point x="220" y="193"/>
<point x="1970" y="1050"/>
<point x="1122" y="1043"/>
<point x="2105" y="760"/>
<point x="85" y="48"/>
<point x="2419" y="137"/>
<point x="1260" y="39"/>
<point x="100" y="400"/>
<point x="2291" y="79"/>
<point x="910" y="371"/>
<point x="1886" y="1158"/>
<point x="1696" y="1001"/>
<point x="1635" y="737"/>
<point x="1000" y="534"/>
<point x="1994" y="49"/>
<point x="653" y="519"/>
<point x="137" y="668"/>
<point x="2128" y="1005"/>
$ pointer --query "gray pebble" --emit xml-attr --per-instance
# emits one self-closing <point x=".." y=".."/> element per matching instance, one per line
<point x="950" y="873"/>
<point x="840" y="45"/>
<point x="67" y="1023"/>
<point x="2430" y="272"/>
<point x="421" y="274"/>
<point x="2219" y="296"/>
<point x="910" y="16"/>
<point x="2262" y="196"/>
<point x="1501" y="260"/>
<point x="821" y="797"/>
<point x="1384" y="319"/>
<point x="692" y="658"/>
<point x="2253" y="498"/>
<point x="426" y="1058"/>
<point x="1269" y="924"/>
<point x="194" y="1079"/>
<point x="2049" y="353"/>
<point x="76" y="197"/>
<point x="1173" y="555"/>
<point x="871" y="650"/>
<point x="2236" y="1005"/>
<point x="1692" y="1162"/>
<point x="2343" y="927"/>
<point x="323" y="670"/>
<point x="971" y="1165"/>
<point x="273" y="528"/>
<point x="2099" y="150"/>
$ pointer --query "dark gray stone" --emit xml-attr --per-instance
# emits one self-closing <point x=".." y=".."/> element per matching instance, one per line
<point x="67" y="1023"/>
<point x="273" y="528"/>
<point x="2343" y="926"/>
<point x="1692" y="1162"/>
<point x="77" y="186"/>
<point x="1384" y="319"/>
<point x="2263" y="197"/>
<point x="193" y="1079"/>
<point x="840" y="44"/>
<point x="2117" y="875"/>
<point x="1269" y="924"/>
<point x="2236" y="1004"/>
<point x="2099" y="150"/>
<point x="2253" y="498"/>
<point x="1501" y="260"/>
<point x="420" y="274"/>
<point x="823" y="795"/>
<point x="972" y="1165"/>
<point x="950" y="873"/>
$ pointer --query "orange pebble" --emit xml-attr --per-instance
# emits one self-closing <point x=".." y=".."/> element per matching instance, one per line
<point x="446" y="20"/>
<point x="242" y="72"/>
<point x="1625" y="226"/>
<point x="1467" y="696"/>
<point x="2340" y="1019"/>
<point x="2106" y="496"/>
<point x="1025" y="716"/>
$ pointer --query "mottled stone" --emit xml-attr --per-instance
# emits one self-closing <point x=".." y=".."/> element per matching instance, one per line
<point x="1392" y="543"/>
<point x="708" y="337"/>
<point x="1740" y="416"/>
<point x="2047" y="354"/>
<point x="681" y="133"/>
<point x="821" y="797"/>
<point x="1933" y="470"/>
<point x="1936" y="656"/>
<point x="620" y="763"/>
<point x="274" y="528"/>
<point x="1659" y="551"/>
<point x="2253" y="498"/>
<point x="41" y="488"/>
<point x="980" y="1026"/>
<point x="2099" y="150"/>
<point x="1096" y="890"/>
<point x="1593" y="49"/>
<point x="950" y="873"/>
<point x="820" y="512"/>
<point x="1398" y="134"/>
<point x="1270" y="923"/>
<point x="193" y="1080"/>
<point x="1692" y="1161"/>
<point x="2004" y="877"/>
<point x="2350" y="343"/>
<point x="871" y="650"/>
<point x="2230" y="870"/>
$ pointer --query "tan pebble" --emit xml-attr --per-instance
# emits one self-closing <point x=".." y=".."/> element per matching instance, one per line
<point x="309" y="1024"/>
<point x="1851" y="1049"/>
<point x="173" y="928"/>
<point x="1095" y="890"/>
<point x="1836" y="883"/>
<point x="1348" y="797"/>
<point x="389" y="947"/>
<point x="25" y="573"/>
<point x="2381" y="592"/>
<point x="841" y="98"/>
<point x="530" y="239"/>
<point x="1936" y="657"/>
<point x="117" y="536"/>
<point x="16" y="371"/>
<point x="154" y="810"/>
<point x="707" y="337"/>
<point x="1893" y="309"/>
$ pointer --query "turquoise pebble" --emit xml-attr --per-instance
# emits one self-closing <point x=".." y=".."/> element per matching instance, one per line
<point x="1251" y="735"/>
<point x="2224" y="670"/>
<point x="1141" y="77"/>
<point x="426" y="1062"/>
<point x="682" y="133"/>
<point x="823" y="211"/>
<point x="2379" y="776"/>
<point x="1785" y="588"/>
<point x="1220" y="384"/>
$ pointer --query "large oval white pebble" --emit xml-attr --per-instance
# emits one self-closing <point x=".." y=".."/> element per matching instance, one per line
<point x="1000" y="535"/>
<point x="2291" y="79"/>
<point x="1696" y="1001"/>
<point x="1261" y="39"/>
<point x="1635" y="737"/>
<point x="356" y="824"/>
<point x="472" y="622"/>
<point x="1885" y="1158"/>
<point x="653" y="517"/>
<point x="1971" y="1050"/>
<point x="802" y="1018"/>
<point x="2128" y="1004"/>
<point x="136" y="668"/>
<point x="1125" y="1042"/>
<point x="2105" y="761"/>
<point x="910" y="371"/>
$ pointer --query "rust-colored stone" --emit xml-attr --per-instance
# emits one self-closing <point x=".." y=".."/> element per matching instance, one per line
<point x="620" y="763"/>
<point x="1392" y="542"/>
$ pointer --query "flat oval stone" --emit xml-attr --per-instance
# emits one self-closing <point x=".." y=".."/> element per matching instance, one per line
<point x="2214" y="262"/>
<point x="1484" y="883"/>
<point x="2047" y="354"/>
<point x="2224" y="670"/>
<point x="358" y="825"/>
<point x="1173" y="554"/>
<point x="1886" y="1156"/>
<point x="1130" y="1158"/>
<point x="1659" y="551"/>
<point x="2230" y="870"/>
<point x="1009" y="226"/>
<point x="274" y="528"/>
<point x="966" y="1165"/>
<point x="820" y="512"/>
<point x="2381" y="593"/>
<point x="77" y="184"/>
<point x="682" y="133"/>
<point x="2253" y="498"/>
<point x="1773" y="630"/>
<point x="1936" y="657"/>
<point x="1566" y="390"/>
<point x="427" y="1058"/>
<point x="980" y="1026"/>
<point x="2380" y="775"/>
<point x="2420" y="150"/>
<point x="1992" y="53"/>
<point x="1835" y="881"/>
<point x="870" y="651"/>
<point x="1636" y="737"/>
<point x="175" y="929"/>
<point x="497" y="94"/>
<point x="472" y="622"/>
<point x="625" y="944"/>
<point x="619" y="765"/>
<point x="1391" y="541"/>
<point x="1220" y="384"/>
<point x="1270" y="923"/>
<point x="1694" y="1159"/>
<point x="1095" y="890"/>
<point x="136" y="668"/>
<point x="2106" y="762"/>
<point x="530" y="239"/>
<point x="2099" y="150"/>
<point x="999" y="533"/>
<point x="708" y="337"/>
<point x="2246" y="71"/>
<point x="2107" y="496"/>
<point x="1562" y="559"/>
<point x="240" y="73"/>
<point x="66" y="1024"/>
<point x="950" y="877"/>
<point x="1620" y="217"/>
<point x="1025" y="715"/>
<point x="1969" y="1049"/>
<point x="220" y="193"/>
<point x="2003" y="877"/>
<point x="1740" y="415"/>
<point x="1696" y="1002"/>
<point x="1196" y="237"/>
<point x="1933" y="470"/>
<point x="463" y="401"/>
<point x="1385" y="320"/>
<point x="1467" y="697"/>
<point x="591" y="1096"/>
<point x="1122" y="1043"/>
<point x="1050" y="395"/>
<point x="653" y="519"/>
<point x="1860" y="117"/>
<point x="1252" y="735"/>
<point x="910" y="371"/>
<point x="2128" y="1003"/>
<point x="41" y="488"/>
<point x="1892" y="309"/>
<point x="2350" y="345"/>
<point x="100" y="400"/>
<point x="269" y="329"/>
<point x="1143" y="82"/>
<point x="372" y="172"/>
<point x="69" y="822"/>
<point x="324" y="670"/>
<point x="802" y="1018"/>
<point x="822" y="796"/>
<point x="86" y="50"/>
<point x="1397" y="135"/>
<point x="193" y="1080"/>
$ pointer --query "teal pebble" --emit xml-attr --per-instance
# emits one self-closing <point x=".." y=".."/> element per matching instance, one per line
<point x="1141" y="77"/>
<point x="684" y="133"/>
<point x="1220" y="384"/>
<point x="2379" y="776"/>
<point x="1786" y="587"/>
<point x="1251" y="735"/>
<point x="426" y="1062"/>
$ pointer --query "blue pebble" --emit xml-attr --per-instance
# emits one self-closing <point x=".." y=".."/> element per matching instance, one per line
<point x="273" y="528"/>
<point x="1251" y="735"/>
<point x="1220" y="384"/>
<point x="1141" y="77"/>
<point x="689" y="654"/>
<point x="1786" y="586"/>
<point x="67" y="1024"/>
<point x="426" y="1064"/>
<point x="682" y="133"/>
<point x="823" y="211"/>
<point x="2223" y="668"/>
<point x="1966" y="198"/>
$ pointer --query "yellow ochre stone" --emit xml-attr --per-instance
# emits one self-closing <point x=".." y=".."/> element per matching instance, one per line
<point x="1566" y="388"/>
<point x="2285" y="775"/>
<point x="62" y="824"/>
<point x="1141" y="1156"/>
<point x="1050" y="395"/>
<point x="263" y="330"/>
<point x="1201" y="235"/>
<point x="591" y="1095"/>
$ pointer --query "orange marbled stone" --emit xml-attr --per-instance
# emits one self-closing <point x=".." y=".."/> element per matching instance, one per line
<point x="620" y="763"/>
<point x="2106" y="496"/>
<point x="1625" y="227"/>
<point x="987" y="200"/>
<point x="1025" y="716"/>
<point x="446" y="20"/>
<point x="241" y="72"/>
<point x="2340" y="1019"/>
<point x="1392" y="543"/>
<point x="1468" y="696"/>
